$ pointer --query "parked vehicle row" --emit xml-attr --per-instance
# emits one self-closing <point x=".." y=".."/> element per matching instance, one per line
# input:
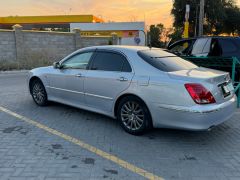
<point x="207" y="46"/>
<point x="217" y="47"/>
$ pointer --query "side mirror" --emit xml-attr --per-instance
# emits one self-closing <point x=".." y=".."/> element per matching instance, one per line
<point x="56" y="65"/>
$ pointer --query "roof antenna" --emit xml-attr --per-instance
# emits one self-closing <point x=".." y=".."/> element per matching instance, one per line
<point x="149" y="41"/>
<point x="150" y="46"/>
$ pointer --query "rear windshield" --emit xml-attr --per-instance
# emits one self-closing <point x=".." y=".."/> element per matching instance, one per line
<point x="164" y="61"/>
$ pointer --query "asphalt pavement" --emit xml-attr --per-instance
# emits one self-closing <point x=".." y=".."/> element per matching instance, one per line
<point x="62" y="142"/>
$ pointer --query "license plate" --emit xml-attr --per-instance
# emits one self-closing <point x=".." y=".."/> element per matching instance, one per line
<point x="228" y="88"/>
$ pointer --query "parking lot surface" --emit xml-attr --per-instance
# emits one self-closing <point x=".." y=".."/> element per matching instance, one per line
<point x="28" y="151"/>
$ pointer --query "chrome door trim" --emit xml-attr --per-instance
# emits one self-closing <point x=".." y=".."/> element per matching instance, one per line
<point x="88" y="94"/>
<point x="103" y="97"/>
<point x="65" y="90"/>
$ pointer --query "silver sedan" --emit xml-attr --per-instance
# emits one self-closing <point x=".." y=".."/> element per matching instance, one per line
<point x="140" y="86"/>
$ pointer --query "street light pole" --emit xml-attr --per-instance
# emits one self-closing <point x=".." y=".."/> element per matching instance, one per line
<point x="201" y="17"/>
<point x="145" y="36"/>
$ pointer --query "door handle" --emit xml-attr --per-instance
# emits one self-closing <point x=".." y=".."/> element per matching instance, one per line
<point x="123" y="79"/>
<point x="78" y="75"/>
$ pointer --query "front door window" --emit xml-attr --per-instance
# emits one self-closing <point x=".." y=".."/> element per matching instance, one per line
<point x="79" y="61"/>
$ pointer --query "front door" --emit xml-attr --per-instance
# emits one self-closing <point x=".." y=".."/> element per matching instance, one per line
<point x="109" y="74"/>
<point x="67" y="82"/>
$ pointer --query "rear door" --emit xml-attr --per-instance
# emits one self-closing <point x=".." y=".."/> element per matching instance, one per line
<point x="109" y="74"/>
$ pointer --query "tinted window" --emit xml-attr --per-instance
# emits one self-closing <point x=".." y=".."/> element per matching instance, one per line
<point x="107" y="61"/>
<point x="182" y="47"/>
<point x="79" y="61"/>
<point x="215" y="48"/>
<point x="126" y="67"/>
<point x="165" y="62"/>
<point x="207" y="47"/>
<point x="199" y="45"/>
<point x="227" y="45"/>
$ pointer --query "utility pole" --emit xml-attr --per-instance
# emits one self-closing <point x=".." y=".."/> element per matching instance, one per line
<point x="196" y="21"/>
<point x="201" y="17"/>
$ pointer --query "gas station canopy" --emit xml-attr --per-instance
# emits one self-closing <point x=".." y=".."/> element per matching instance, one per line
<point x="50" y="19"/>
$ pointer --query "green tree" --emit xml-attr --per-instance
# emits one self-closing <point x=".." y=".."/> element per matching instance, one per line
<point x="176" y="34"/>
<point x="232" y="21"/>
<point x="155" y="34"/>
<point x="220" y="14"/>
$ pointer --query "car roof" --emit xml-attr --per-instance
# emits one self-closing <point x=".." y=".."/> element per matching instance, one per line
<point x="195" y="38"/>
<point x="121" y="48"/>
<point x="222" y="37"/>
<point x="225" y="37"/>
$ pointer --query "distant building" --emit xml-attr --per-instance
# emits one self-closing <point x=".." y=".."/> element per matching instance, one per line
<point x="45" y="22"/>
<point x="129" y="33"/>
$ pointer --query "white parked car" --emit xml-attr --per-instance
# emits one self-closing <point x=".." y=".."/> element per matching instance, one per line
<point x="139" y="86"/>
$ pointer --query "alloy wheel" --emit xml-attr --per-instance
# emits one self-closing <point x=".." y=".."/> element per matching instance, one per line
<point x="132" y="115"/>
<point x="38" y="93"/>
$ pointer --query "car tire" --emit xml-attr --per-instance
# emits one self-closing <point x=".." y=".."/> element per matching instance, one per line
<point x="134" y="116"/>
<point x="39" y="93"/>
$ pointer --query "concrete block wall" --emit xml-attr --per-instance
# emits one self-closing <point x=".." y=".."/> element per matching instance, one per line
<point x="93" y="41"/>
<point x="48" y="45"/>
<point x="21" y="46"/>
<point x="7" y="45"/>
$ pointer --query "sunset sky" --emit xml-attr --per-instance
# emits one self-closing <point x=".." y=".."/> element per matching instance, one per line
<point x="152" y="11"/>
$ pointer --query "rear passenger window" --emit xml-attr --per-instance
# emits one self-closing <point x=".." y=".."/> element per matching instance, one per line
<point x="126" y="67"/>
<point x="108" y="61"/>
<point x="199" y="45"/>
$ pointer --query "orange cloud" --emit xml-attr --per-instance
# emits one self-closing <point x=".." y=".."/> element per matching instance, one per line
<point x="152" y="11"/>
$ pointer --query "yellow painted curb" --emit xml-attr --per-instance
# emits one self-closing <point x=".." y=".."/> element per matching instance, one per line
<point x="86" y="146"/>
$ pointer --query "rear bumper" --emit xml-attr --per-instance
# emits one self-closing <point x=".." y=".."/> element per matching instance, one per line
<point x="199" y="117"/>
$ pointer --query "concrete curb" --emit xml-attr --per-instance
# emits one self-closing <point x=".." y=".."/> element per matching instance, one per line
<point x="14" y="72"/>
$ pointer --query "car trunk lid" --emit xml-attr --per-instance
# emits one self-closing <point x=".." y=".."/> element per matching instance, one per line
<point x="217" y="82"/>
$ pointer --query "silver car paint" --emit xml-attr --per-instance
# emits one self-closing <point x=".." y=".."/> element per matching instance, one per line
<point x="164" y="93"/>
<point x="103" y="87"/>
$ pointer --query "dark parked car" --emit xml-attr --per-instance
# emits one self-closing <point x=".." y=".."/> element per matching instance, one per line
<point x="209" y="47"/>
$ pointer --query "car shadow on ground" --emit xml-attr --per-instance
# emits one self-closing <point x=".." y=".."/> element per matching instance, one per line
<point x="170" y="135"/>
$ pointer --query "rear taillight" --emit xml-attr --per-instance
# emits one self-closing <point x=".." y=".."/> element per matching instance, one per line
<point x="200" y="94"/>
